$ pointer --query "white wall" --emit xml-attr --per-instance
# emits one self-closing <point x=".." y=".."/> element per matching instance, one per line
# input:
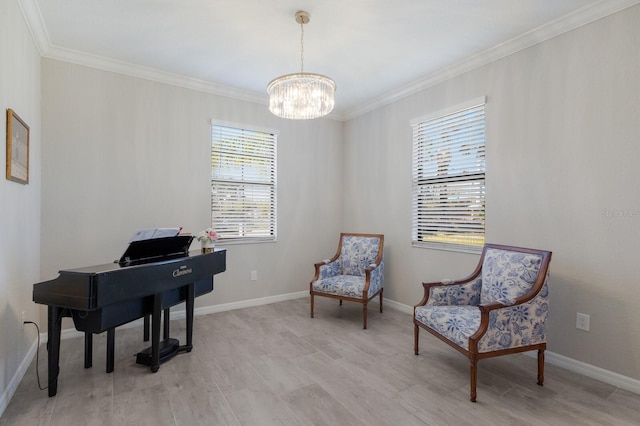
<point x="19" y="204"/>
<point x="122" y="153"/>
<point x="563" y="121"/>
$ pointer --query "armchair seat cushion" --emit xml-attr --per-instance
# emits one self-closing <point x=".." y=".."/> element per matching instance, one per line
<point x="341" y="285"/>
<point x="456" y="323"/>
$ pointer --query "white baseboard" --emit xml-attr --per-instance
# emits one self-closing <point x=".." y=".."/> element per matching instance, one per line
<point x="247" y="303"/>
<point x="6" y="396"/>
<point x="606" y="376"/>
<point x="398" y="306"/>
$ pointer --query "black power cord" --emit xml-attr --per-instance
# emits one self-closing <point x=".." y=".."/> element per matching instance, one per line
<point x="37" y="355"/>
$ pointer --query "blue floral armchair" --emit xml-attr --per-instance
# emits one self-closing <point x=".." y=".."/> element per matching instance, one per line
<point x="500" y="309"/>
<point x="355" y="273"/>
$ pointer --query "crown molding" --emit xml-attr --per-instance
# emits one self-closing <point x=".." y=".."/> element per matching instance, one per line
<point x="151" y="74"/>
<point x="584" y="16"/>
<point x="133" y="70"/>
<point x="35" y="24"/>
<point x="545" y="32"/>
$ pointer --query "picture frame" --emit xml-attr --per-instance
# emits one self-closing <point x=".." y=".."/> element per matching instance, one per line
<point x="17" y="148"/>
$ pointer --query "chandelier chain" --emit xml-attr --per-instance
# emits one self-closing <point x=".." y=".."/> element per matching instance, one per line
<point x="302" y="46"/>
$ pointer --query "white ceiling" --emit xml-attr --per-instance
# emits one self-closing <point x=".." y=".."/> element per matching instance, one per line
<point x="375" y="50"/>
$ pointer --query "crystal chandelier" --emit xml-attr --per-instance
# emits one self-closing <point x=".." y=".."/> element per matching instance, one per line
<point x="302" y="95"/>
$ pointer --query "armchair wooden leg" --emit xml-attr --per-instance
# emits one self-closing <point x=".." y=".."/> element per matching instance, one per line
<point x="312" y="306"/>
<point x="540" y="366"/>
<point x="416" y="331"/>
<point x="340" y="302"/>
<point x="364" y="315"/>
<point x="474" y="379"/>
<point x="381" y="300"/>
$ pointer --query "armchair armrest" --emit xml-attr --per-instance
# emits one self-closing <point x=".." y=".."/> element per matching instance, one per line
<point x="488" y="307"/>
<point x="374" y="276"/>
<point x="503" y="310"/>
<point x="326" y="268"/>
<point x="452" y="292"/>
<point x="427" y="292"/>
<point x="370" y="268"/>
<point x="513" y="323"/>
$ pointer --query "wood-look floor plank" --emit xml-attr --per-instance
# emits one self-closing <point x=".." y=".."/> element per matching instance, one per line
<point x="273" y="364"/>
<point x="315" y="406"/>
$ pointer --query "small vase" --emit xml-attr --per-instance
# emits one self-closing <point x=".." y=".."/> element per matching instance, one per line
<point x="207" y="246"/>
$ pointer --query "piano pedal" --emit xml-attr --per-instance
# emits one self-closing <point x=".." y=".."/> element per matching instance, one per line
<point x="168" y="349"/>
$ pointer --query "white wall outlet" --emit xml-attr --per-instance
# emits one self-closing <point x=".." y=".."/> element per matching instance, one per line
<point x="582" y="321"/>
<point x="254" y="275"/>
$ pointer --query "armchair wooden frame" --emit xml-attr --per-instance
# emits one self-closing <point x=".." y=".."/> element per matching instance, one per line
<point x="472" y="353"/>
<point x="364" y="299"/>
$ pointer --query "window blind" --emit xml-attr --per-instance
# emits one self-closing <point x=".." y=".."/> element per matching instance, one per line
<point x="448" y="180"/>
<point x="243" y="183"/>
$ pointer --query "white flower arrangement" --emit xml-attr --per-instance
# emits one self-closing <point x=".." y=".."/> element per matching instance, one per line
<point x="208" y="234"/>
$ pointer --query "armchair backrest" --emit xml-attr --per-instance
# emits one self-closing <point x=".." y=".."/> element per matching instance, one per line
<point x="358" y="251"/>
<point x="510" y="272"/>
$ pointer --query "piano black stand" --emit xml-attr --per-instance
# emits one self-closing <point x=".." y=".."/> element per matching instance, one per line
<point x="101" y="298"/>
<point x="168" y="347"/>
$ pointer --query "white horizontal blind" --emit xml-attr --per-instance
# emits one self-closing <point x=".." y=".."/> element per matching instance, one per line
<point x="243" y="183"/>
<point x="448" y="181"/>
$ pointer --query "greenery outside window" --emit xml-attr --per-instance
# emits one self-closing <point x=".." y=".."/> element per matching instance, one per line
<point x="448" y="179"/>
<point x="243" y="183"/>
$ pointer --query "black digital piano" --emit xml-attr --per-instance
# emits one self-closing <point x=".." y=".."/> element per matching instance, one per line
<point x="102" y="297"/>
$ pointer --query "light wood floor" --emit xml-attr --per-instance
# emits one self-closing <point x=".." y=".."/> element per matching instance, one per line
<point x="273" y="364"/>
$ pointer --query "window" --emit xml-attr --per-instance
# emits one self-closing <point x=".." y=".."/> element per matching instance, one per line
<point x="448" y="179"/>
<point x="243" y="183"/>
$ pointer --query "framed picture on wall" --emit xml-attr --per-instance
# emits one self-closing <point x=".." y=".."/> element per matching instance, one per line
<point x="17" y="148"/>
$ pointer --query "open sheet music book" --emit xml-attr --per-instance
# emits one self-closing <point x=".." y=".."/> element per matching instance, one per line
<point x="155" y="244"/>
<point x="151" y="233"/>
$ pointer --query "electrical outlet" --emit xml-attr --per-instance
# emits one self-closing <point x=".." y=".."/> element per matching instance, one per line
<point x="254" y="275"/>
<point x="582" y="321"/>
<point x="24" y="318"/>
